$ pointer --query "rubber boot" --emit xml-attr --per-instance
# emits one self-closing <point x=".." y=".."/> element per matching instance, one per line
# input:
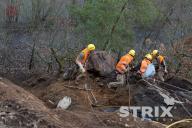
<point x="120" y="81"/>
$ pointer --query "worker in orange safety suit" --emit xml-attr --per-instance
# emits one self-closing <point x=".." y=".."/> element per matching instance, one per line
<point x="145" y="63"/>
<point x="161" y="66"/>
<point x="82" y="59"/>
<point x="122" y="67"/>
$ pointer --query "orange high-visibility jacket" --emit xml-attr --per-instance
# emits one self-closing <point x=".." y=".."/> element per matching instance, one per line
<point x="123" y="63"/>
<point x="160" y="59"/>
<point x="84" y="53"/>
<point x="144" y="65"/>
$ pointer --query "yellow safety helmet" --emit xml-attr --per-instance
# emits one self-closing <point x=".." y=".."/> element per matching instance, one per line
<point x="155" y="53"/>
<point x="91" y="47"/>
<point x="132" y="52"/>
<point x="149" y="57"/>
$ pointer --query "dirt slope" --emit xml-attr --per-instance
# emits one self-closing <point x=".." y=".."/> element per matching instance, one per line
<point x="20" y="109"/>
<point x="141" y="95"/>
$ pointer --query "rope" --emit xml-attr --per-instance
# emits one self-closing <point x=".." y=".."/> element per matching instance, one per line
<point x="175" y="95"/>
<point x="160" y="90"/>
<point x="174" y="86"/>
<point x="178" y="122"/>
<point x="167" y="85"/>
<point x="184" y="107"/>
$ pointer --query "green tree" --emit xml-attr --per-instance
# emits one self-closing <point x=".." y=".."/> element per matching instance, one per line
<point x="113" y="21"/>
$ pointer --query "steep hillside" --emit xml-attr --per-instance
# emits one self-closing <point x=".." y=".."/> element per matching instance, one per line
<point x="20" y="109"/>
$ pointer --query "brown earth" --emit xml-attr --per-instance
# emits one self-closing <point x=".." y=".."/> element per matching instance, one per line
<point x="107" y="99"/>
<point x="21" y="109"/>
<point x="36" y="105"/>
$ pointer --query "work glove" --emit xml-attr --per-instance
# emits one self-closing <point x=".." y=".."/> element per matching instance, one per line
<point x="82" y="70"/>
<point x="166" y="71"/>
<point x="126" y="70"/>
<point x="81" y="67"/>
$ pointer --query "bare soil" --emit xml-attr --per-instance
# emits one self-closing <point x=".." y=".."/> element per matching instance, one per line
<point x="21" y="109"/>
<point x="141" y="95"/>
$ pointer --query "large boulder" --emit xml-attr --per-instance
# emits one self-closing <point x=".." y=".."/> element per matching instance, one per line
<point x="101" y="63"/>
